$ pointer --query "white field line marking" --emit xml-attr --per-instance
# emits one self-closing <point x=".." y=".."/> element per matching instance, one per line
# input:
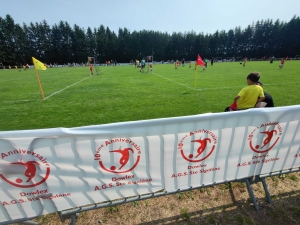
<point x="65" y="88"/>
<point x="27" y="100"/>
<point x="22" y="78"/>
<point x="69" y="86"/>
<point x="230" y="87"/>
<point x="216" y="88"/>
<point x="174" y="81"/>
<point x="104" y="69"/>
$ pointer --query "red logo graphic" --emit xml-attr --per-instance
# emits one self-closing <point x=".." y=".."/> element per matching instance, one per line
<point x="120" y="160"/>
<point x="205" y="141"/>
<point x="29" y="178"/>
<point x="264" y="138"/>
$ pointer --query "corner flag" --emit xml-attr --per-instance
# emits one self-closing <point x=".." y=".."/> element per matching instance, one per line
<point x="38" y="65"/>
<point x="200" y="61"/>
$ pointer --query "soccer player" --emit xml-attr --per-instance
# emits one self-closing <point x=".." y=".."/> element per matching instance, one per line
<point x="142" y="65"/>
<point x="204" y="66"/>
<point x="281" y="63"/>
<point x="206" y="62"/>
<point x="91" y="70"/>
<point x="245" y="60"/>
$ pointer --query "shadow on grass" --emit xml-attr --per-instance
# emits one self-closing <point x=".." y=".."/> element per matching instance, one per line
<point x="284" y="210"/>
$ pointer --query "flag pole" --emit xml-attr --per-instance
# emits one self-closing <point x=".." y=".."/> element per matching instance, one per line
<point x="196" y="75"/>
<point x="38" y="78"/>
<point x="41" y="89"/>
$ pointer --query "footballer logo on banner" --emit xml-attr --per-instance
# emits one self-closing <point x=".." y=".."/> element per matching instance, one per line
<point x="264" y="137"/>
<point x="203" y="142"/>
<point x="122" y="159"/>
<point x="29" y="170"/>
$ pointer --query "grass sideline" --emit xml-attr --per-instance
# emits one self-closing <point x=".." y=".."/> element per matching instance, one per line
<point x="227" y="203"/>
<point x="122" y="93"/>
<point x="73" y="98"/>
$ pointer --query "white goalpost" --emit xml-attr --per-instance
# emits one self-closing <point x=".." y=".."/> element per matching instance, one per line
<point x="149" y="63"/>
<point x="297" y="57"/>
<point x="93" y="61"/>
<point x="218" y="59"/>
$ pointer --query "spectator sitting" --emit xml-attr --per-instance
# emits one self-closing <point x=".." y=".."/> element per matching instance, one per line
<point x="268" y="100"/>
<point x="251" y="94"/>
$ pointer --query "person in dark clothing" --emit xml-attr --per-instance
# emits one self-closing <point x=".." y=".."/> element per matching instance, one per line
<point x="267" y="102"/>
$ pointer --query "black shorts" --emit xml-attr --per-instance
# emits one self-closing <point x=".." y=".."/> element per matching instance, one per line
<point x="269" y="100"/>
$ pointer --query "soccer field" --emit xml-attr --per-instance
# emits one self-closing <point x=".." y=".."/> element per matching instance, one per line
<point x="74" y="98"/>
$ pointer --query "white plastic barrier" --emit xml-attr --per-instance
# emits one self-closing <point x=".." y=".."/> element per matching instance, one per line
<point x="49" y="170"/>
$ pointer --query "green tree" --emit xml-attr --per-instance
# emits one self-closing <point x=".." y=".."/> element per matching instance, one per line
<point x="8" y="41"/>
<point x="112" y="44"/>
<point x="290" y="38"/>
<point x="62" y="44"/>
<point x="123" y="48"/>
<point x="20" y="45"/>
<point x="79" y="45"/>
<point x="2" y="40"/>
<point x="102" y="46"/>
<point x="91" y="42"/>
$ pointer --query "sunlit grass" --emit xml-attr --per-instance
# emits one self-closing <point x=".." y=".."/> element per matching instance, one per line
<point x="74" y="98"/>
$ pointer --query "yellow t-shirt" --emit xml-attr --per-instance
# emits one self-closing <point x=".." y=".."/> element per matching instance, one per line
<point x="249" y="95"/>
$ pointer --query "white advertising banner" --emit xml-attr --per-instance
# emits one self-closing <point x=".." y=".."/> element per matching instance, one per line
<point x="49" y="170"/>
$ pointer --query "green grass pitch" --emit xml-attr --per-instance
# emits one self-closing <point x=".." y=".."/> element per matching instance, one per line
<point x="73" y="98"/>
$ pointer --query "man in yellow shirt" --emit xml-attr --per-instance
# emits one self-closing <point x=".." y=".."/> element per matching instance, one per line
<point x="251" y="94"/>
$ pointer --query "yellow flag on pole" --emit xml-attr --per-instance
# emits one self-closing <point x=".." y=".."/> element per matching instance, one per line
<point x="38" y="65"/>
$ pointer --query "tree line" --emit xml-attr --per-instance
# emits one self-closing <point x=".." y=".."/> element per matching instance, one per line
<point x="61" y="43"/>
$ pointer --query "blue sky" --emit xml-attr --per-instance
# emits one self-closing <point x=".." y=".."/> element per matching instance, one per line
<point x="158" y="15"/>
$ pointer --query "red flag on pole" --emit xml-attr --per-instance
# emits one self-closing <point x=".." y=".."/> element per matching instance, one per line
<point x="200" y="61"/>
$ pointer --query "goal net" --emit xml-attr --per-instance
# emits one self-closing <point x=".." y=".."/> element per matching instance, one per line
<point x="297" y="57"/>
<point x="218" y="59"/>
<point x="230" y="59"/>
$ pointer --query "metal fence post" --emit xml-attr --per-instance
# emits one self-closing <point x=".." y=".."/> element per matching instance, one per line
<point x="250" y="191"/>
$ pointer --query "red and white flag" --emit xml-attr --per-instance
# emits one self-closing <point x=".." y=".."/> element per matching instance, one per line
<point x="200" y="61"/>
